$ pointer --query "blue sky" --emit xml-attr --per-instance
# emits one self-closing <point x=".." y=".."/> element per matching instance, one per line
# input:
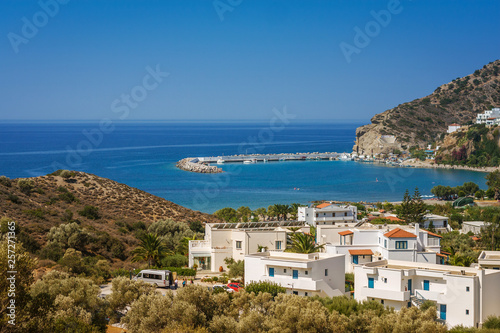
<point x="261" y="55"/>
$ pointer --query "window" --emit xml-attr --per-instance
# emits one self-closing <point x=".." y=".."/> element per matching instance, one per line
<point x="305" y="294"/>
<point x="295" y="274"/>
<point x="401" y="244"/>
<point x="379" y="240"/>
<point x="295" y="292"/>
<point x="385" y="280"/>
<point x="284" y="271"/>
<point x="467" y="288"/>
<point x="385" y="242"/>
<point x="345" y="214"/>
<point x="271" y="271"/>
<point x="326" y="271"/>
<point x="466" y="312"/>
<point x="381" y="301"/>
<point x="307" y="272"/>
<point x="238" y="245"/>
<point x="278" y="245"/>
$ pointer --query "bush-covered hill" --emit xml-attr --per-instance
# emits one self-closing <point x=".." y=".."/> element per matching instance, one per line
<point x="111" y="210"/>
<point x="424" y="120"/>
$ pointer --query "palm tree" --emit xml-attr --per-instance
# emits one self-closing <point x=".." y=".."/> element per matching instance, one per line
<point x="151" y="249"/>
<point x="281" y="210"/>
<point x="304" y="243"/>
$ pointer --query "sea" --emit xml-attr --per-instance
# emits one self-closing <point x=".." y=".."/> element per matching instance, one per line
<point x="143" y="155"/>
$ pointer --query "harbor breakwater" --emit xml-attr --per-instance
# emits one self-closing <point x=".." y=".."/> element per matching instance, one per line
<point x="193" y="165"/>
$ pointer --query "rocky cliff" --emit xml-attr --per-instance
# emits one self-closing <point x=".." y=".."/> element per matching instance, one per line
<point x="424" y="120"/>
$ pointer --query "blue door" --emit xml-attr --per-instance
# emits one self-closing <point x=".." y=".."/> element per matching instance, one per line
<point x="426" y="284"/>
<point x="409" y="287"/>
<point x="355" y="259"/>
<point x="370" y="283"/>
<point x="295" y="274"/>
<point x="271" y="271"/>
<point x="442" y="311"/>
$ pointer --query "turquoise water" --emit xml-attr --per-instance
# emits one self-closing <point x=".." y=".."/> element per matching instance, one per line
<point x="143" y="155"/>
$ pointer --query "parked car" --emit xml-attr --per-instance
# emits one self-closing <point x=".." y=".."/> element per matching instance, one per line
<point x="235" y="286"/>
<point x="218" y="287"/>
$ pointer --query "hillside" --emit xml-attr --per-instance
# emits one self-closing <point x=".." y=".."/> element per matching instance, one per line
<point x="424" y="120"/>
<point x="39" y="203"/>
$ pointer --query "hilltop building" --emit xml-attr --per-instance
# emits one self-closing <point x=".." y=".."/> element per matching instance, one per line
<point x="473" y="226"/>
<point x="236" y="240"/>
<point x="489" y="117"/>
<point x="453" y="128"/>
<point x="463" y="295"/>
<point x="301" y="274"/>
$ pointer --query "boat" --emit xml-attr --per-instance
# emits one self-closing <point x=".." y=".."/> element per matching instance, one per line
<point x="250" y="161"/>
<point x="220" y="161"/>
<point x="345" y="157"/>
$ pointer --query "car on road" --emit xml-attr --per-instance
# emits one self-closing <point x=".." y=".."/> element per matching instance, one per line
<point x="223" y="287"/>
<point x="235" y="286"/>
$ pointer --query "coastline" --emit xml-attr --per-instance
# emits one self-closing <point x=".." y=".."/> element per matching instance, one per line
<point x="424" y="164"/>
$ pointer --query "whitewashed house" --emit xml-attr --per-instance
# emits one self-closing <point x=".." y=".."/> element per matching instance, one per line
<point x="328" y="214"/>
<point x="439" y="222"/>
<point x="235" y="240"/>
<point x="395" y="242"/>
<point x="453" y="128"/>
<point x="463" y="295"/>
<point x="301" y="274"/>
<point x="473" y="226"/>
<point x="489" y="260"/>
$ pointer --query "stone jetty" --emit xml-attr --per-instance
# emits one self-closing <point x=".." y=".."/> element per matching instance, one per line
<point x="194" y="165"/>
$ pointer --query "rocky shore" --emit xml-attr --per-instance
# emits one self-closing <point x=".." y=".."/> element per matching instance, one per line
<point x="186" y="164"/>
<point x="425" y="164"/>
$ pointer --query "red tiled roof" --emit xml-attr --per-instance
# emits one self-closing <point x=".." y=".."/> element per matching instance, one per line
<point x="474" y="238"/>
<point x="393" y="218"/>
<point x="399" y="233"/>
<point x="361" y="252"/>
<point x="454" y="125"/>
<point x="442" y="255"/>
<point x="382" y="211"/>
<point x="323" y="205"/>
<point x="444" y="252"/>
<point x="432" y="234"/>
<point x="346" y="232"/>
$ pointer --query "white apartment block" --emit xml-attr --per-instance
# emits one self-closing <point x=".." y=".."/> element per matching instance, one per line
<point x="235" y="240"/>
<point x="463" y="295"/>
<point x="473" y="226"/>
<point x="489" y="117"/>
<point x="301" y="274"/>
<point x="328" y="214"/>
<point x="373" y="243"/>
<point x="489" y="260"/>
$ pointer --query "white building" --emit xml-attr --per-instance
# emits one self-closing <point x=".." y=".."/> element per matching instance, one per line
<point x="473" y="226"/>
<point x="453" y="128"/>
<point x="439" y="222"/>
<point x="328" y="214"/>
<point x="235" y="240"/>
<point x="490" y="260"/>
<point x="362" y="245"/>
<point x="463" y="295"/>
<point x="301" y="274"/>
<point x="488" y="117"/>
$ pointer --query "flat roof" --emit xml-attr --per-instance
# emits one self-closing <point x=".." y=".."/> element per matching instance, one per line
<point x="448" y="269"/>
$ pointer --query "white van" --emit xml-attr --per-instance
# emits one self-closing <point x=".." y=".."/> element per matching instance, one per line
<point x="159" y="278"/>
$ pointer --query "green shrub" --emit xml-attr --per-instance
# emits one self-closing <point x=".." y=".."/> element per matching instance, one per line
<point x="37" y="213"/>
<point x="25" y="185"/>
<point x="90" y="212"/>
<point x="266" y="287"/>
<point x="14" y="198"/>
<point x="492" y="322"/>
<point x="67" y="197"/>
<point x="120" y="272"/>
<point x="5" y="181"/>
<point x="176" y="260"/>
<point x="52" y="251"/>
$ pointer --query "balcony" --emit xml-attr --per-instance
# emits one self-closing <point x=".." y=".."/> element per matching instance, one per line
<point x="394" y="295"/>
<point x="199" y="247"/>
<point x="334" y="219"/>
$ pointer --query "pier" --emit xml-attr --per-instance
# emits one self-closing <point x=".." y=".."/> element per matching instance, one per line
<point x="203" y="164"/>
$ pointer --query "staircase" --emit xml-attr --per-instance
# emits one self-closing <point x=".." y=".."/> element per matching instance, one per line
<point x="417" y="299"/>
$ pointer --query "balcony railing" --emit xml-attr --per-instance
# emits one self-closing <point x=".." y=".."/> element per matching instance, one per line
<point x="194" y="244"/>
